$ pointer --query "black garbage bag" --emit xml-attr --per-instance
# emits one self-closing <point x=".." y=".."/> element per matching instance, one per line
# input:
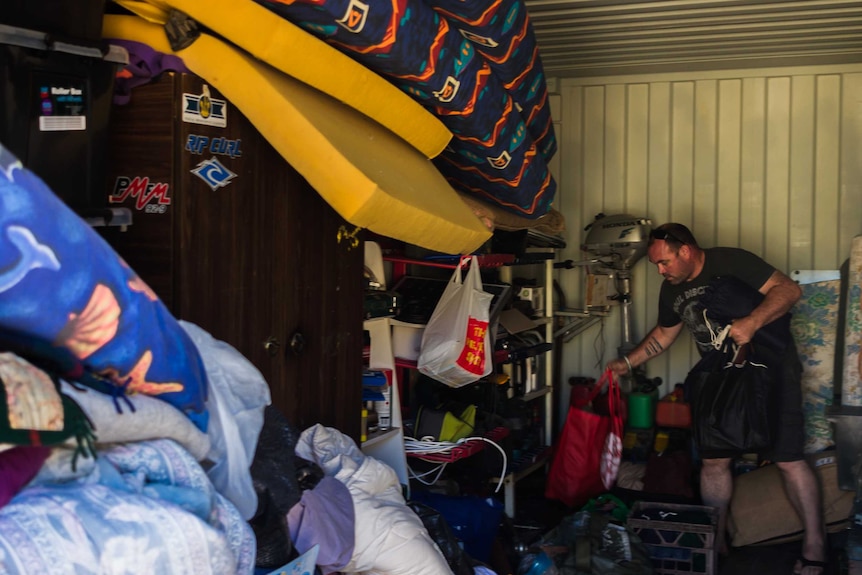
<point x="434" y="522"/>
<point x="279" y="477"/>
<point x="732" y="399"/>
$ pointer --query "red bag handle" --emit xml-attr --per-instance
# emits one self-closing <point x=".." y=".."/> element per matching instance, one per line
<point x="615" y="402"/>
<point x="594" y="391"/>
<point x="613" y="387"/>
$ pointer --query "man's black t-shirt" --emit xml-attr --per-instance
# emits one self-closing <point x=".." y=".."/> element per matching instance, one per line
<point x="679" y="302"/>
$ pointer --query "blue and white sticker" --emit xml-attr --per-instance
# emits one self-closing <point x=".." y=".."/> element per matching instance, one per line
<point x="214" y="173"/>
<point x="204" y="109"/>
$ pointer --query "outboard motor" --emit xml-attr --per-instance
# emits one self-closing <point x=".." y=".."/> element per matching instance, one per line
<point x="615" y="244"/>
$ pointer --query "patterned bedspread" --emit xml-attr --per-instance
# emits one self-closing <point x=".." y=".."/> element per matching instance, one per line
<point x="141" y="508"/>
<point x="475" y="65"/>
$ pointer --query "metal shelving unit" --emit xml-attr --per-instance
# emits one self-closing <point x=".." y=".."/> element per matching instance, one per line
<point x="390" y="447"/>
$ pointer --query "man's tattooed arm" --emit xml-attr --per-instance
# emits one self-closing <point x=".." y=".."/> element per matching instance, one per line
<point x="652" y="347"/>
<point x="655" y="343"/>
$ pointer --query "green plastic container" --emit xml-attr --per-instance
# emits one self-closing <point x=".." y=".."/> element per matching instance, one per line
<point x="641" y="409"/>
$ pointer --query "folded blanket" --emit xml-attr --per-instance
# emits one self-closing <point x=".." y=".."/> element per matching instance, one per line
<point x="142" y="417"/>
<point x="144" y="508"/>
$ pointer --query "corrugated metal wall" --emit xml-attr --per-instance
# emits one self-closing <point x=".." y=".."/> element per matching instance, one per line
<point x="768" y="160"/>
<point x="589" y="38"/>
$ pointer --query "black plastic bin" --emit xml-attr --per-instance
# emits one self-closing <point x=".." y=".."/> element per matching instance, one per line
<point x="70" y="19"/>
<point x="55" y="102"/>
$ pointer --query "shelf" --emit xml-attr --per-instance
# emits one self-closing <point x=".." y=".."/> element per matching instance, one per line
<point x="408" y="363"/>
<point x="465" y="449"/>
<point x="380" y="436"/>
<point x="120" y="217"/>
<point x="505" y="359"/>
<point x="534" y="394"/>
<point x="399" y="361"/>
<point x="451" y="262"/>
<point x="387" y="446"/>
<point x="504" y="356"/>
<point x="576" y="322"/>
<point x="519" y="470"/>
<point x="839" y="410"/>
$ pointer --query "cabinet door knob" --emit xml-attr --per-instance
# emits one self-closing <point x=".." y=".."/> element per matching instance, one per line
<point x="297" y="343"/>
<point x="271" y="345"/>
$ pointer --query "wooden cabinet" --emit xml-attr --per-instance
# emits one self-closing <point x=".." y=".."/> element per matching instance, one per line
<point x="233" y="239"/>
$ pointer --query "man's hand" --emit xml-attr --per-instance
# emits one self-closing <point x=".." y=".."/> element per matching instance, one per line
<point x="742" y="330"/>
<point x="618" y="366"/>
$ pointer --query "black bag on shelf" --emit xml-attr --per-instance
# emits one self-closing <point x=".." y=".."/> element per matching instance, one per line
<point x="731" y="396"/>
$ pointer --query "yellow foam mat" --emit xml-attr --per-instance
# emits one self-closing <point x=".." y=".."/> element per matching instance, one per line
<point x="371" y="177"/>
<point x="287" y="47"/>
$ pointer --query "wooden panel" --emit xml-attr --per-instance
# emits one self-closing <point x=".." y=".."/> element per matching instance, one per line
<point x="224" y="267"/>
<point x="319" y="293"/>
<point x="141" y="154"/>
<point x="254" y="260"/>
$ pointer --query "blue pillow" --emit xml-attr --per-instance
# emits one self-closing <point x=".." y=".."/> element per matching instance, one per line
<point x="68" y="299"/>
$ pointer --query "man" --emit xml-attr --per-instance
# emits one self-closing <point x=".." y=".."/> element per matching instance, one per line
<point x="687" y="269"/>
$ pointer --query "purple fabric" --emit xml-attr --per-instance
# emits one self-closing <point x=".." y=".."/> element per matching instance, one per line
<point x="17" y="467"/>
<point x="144" y="65"/>
<point x="324" y="516"/>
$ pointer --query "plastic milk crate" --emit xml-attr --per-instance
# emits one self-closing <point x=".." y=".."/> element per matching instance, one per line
<point x="680" y="538"/>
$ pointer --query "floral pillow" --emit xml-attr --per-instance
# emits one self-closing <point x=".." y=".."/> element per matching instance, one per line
<point x="814" y="326"/>
<point x="851" y="381"/>
<point x="68" y="299"/>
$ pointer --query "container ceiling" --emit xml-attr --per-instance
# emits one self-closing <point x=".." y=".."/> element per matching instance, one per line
<point x="600" y="37"/>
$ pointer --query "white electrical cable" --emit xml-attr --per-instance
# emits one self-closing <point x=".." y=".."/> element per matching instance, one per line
<point x="502" y="452"/>
<point x="427" y="446"/>
<point x="421" y="476"/>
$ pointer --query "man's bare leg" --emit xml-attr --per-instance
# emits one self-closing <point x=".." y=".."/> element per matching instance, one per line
<point x="803" y="490"/>
<point x="716" y="489"/>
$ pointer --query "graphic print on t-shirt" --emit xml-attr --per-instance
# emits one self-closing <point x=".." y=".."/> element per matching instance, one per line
<point x="686" y="306"/>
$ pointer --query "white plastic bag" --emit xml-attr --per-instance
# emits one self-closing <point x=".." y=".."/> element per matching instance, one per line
<point x="456" y="346"/>
<point x="238" y="394"/>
